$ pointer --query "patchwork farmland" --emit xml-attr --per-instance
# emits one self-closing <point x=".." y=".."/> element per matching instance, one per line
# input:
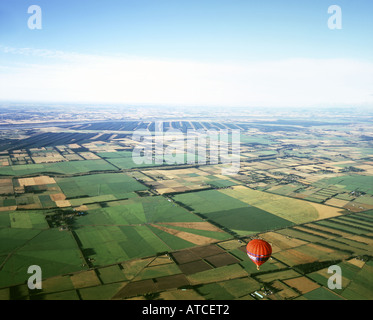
<point x="102" y="225"/>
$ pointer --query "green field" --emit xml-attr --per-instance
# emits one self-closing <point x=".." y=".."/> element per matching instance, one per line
<point x="129" y="162"/>
<point x="209" y="201"/>
<point x="56" y="252"/>
<point x="101" y="198"/>
<point x="218" y="274"/>
<point x="69" y="167"/>
<point x="104" y="292"/>
<point x="119" y="230"/>
<point x="113" y="244"/>
<point x="353" y="182"/>
<point x="231" y="213"/>
<point x="111" y="274"/>
<point x="116" y="184"/>
<point x="213" y="291"/>
<point x="174" y="243"/>
<point x="361" y="286"/>
<point x="158" y="271"/>
<point x="321" y="294"/>
<point x="28" y="219"/>
<point x="135" y="211"/>
<point x="113" y="155"/>
<point x="255" y="139"/>
<point x="250" y="219"/>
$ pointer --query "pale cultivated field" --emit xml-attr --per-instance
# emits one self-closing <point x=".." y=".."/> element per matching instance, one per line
<point x="294" y="210"/>
<point x="81" y="208"/>
<point x="9" y="208"/>
<point x="101" y="146"/>
<point x="193" y="238"/>
<point x="336" y="202"/>
<point x="165" y="190"/>
<point x="6" y="186"/>
<point x="326" y="211"/>
<point x="302" y="284"/>
<point x="320" y="248"/>
<point x="48" y="157"/>
<point x="63" y="203"/>
<point x="317" y="233"/>
<point x="74" y="146"/>
<point x="195" y="225"/>
<point x="161" y="260"/>
<point x="85" y="279"/>
<point x="57" y="196"/>
<point x="281" y="242"/>
<point x="356" y="262"/>
<point x="36" y="181"/>
<point x="89" y="156"/>
<point x="293" y="257"/>
<point x="368" y="241"/>
<point x="72" y="157"/>
<point x="231" y="244"/>
<point x="331" y="230"/>
<point x="4" y="162"/>
<point x="367" y="167"/>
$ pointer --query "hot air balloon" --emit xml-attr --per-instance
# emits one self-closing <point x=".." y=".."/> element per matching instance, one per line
<point x="259" y="251"/>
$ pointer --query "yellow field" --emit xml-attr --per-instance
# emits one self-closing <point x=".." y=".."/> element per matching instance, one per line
<point x="337" y="202"/>
<point x="193" y="238"/>
<point x="325" y="212"/>
<point x="356" y="262"/>
<point x="317" y="233"/>
<point x="53" y="157"/>
<point x="195" y="225"/>
<point x="9" y="208"/>
<point x="165" y="259"/>
<point x="74" y="146"/>
<point x="85" y="279"/>
<point x="57" y="196"/>
<point x="327" y="229"/>
<point x="36" y="181"/>
<point x="63" y="203"/>
<point x="302" y="284"/>
<point x="294" y="210"/>
<point x="5" y="163"/>
<point x="89" y="156"/>
<point x="134" y="267"/>
<point x="6" y="186"/>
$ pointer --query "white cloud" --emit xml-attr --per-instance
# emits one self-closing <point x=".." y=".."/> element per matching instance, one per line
<point x="72" y="77"/>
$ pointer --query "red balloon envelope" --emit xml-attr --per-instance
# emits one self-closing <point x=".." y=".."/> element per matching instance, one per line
<point x="259" y="251"/>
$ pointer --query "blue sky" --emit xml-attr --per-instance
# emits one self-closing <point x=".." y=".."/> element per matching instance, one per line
<point x="188" y="52"/>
